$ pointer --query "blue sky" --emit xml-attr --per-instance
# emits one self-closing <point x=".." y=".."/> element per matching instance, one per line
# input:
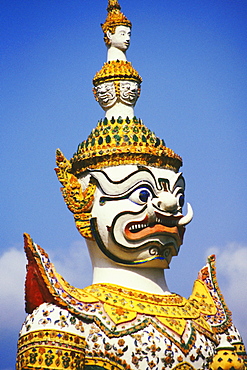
<point x="192" y="58"/>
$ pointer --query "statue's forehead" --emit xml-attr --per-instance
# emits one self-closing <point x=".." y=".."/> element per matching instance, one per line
<point x="120" y="179"/>
<point x="117" y="173"/>
<point x="123" y="28"/>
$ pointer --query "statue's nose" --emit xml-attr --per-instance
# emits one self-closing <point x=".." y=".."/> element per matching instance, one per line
<point x="166" y="202"/>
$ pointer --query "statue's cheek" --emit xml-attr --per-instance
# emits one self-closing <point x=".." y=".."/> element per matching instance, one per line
<point x="111" y="210"/>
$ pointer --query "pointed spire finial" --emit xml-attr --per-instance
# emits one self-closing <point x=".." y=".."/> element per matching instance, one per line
<point x="113" y="5"/>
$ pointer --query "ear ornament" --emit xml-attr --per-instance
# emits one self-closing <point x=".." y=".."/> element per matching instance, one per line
<point x="78" y="201"/>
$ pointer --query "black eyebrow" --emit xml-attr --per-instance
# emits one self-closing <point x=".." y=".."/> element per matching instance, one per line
<point x="140" y="168"/>
<point x="104" y="199"/>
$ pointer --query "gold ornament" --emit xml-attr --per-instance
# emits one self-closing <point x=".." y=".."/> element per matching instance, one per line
<point x="123" y="141"/>
<point x="227" y="359"/>
<point x="117" y="70"/>
<point x="53" y="349"/>
<point x="78" y="202"/>
<point x="114" y="18"/>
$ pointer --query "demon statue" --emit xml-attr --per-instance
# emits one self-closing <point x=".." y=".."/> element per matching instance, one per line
<point x="126" y="193"/>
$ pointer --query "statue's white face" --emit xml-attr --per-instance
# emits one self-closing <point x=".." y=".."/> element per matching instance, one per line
<point x="137" y="214"/>
<point x="121" y="38"/>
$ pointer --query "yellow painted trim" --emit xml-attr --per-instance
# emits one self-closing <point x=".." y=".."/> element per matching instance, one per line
<point x="119" y="315"/>
<point x="203" y="297"/>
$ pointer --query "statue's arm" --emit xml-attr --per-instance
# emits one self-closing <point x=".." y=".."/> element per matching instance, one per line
<point x="51" y="338"/>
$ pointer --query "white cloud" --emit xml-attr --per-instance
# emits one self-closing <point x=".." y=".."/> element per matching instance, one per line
<point x="12" y="273"/>
<point x="74" y="264"/>
<point x="231" y="268"/>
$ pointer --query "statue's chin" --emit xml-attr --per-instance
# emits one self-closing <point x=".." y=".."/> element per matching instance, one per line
<point x="151" y="255"/>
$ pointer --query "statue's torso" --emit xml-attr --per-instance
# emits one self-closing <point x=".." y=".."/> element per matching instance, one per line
<point x="111" y="327"/>
<point x="141" y="343"/>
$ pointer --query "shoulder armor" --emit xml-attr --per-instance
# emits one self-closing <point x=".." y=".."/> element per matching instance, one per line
<point x="221" y="320"/>
<point x="44" y="284"/>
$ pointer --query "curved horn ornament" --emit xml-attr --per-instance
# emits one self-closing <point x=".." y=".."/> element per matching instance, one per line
<point x="185" y="220"/>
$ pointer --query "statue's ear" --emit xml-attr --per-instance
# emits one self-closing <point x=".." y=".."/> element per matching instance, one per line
<point x="109" y="35"/>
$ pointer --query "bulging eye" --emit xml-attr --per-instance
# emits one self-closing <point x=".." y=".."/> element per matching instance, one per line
<point x="181" y="200"/>
<point x="140" y="196"/>
<point x="144" y="195"/>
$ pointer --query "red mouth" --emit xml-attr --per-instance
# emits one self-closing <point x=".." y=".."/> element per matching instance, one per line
<point x="163" y="225"/>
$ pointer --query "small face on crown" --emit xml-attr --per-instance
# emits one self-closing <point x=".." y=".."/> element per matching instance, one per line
<point x="105" y="94"/>
<point x="137" y="214"/>
<point x="129" y="92"/>
<point x="120" y="39"/>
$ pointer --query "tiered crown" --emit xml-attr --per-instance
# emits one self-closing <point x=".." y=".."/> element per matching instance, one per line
<point x="120" y="140"/>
